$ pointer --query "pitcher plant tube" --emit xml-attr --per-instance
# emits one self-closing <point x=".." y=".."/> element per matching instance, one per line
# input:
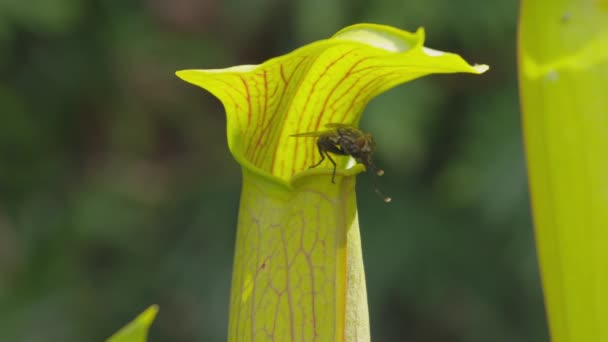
<point x="298" y="268"/>
<point x="563" y="76"/>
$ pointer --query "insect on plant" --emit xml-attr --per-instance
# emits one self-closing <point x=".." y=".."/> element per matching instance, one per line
<point x="346" y="140"/>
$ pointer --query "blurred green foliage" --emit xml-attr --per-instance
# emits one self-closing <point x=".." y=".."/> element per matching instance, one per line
<point x="117" y="189"/>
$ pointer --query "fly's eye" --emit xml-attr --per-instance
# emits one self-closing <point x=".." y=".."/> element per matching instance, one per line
<point x="366" y="143"/>
<point x="361" y="143"/>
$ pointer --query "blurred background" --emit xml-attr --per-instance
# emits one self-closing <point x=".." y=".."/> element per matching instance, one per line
<point x="117" y="189"/>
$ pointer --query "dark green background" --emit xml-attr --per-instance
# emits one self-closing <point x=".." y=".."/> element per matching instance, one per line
<point x="117" y="189"/>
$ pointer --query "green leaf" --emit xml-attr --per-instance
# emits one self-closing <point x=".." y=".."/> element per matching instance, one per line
<point x="563" y="56"/>
<point x="298" y="270"/>
<point x="326" y="81"/>
<point x="136" y="330"/>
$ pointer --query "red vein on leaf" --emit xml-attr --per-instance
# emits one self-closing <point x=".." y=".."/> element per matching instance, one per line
<point x="276" y="312"/>
<point x="361" y="90"/>
<point x="324" y="106"/>
<point x="248" y="97"/>
<point x="259" y="104"/>
<point x="236" y="108"/>
<point x="309" y="262"/>
<point x="365" y="94"/>
<point x="255" y="283"/>
<point x="288" y="286"/>
<point x="421" y="69"/>
<point x="265" y="110"/>
<point x="274" y="92"/>
<point x="259" y="153"/>
<point x="230" y="85"/>
<point x="302" y="113"/>
<point x="372" y="66"/>
<point x="228" y="93"/>
<point x="337" y="99"/>
<point x="342" y="230"/>
<point x="242" y="241"/>
<point x="263" y="125"/>
<point x="282" y="72"/>
<point x="333" y="90"/>
<point x="280" y="129"/>
<point x="381" y="64"/>
<point x="259" y="119"/>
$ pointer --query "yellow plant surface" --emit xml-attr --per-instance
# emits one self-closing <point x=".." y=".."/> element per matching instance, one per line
<point x="563" y="56"/>
<point x="298" y="270"/>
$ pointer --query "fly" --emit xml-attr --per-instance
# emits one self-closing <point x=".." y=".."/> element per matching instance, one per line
<point x="346" y="140"/>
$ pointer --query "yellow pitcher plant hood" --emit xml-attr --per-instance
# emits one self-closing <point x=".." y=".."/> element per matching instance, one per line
<point x="298" y="270"/>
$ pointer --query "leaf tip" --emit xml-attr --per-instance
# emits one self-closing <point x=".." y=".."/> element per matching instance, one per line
<point x="481" y="68"/>
<point x="136" y="330"/>
<point x="182" y="74"/>
<point x="149" y="314"/>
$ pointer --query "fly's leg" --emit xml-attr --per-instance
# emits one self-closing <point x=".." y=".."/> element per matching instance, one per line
<point x="326" y="146"/>
<point x="322" y="153"/>
<point x="335" y="150"/>
<point x="333" y="175"/>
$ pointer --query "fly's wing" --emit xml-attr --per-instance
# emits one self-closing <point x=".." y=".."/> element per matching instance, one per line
<point x="311" y="134"/>
<point x="338" y="125"/>
<point x="332" y="125"/>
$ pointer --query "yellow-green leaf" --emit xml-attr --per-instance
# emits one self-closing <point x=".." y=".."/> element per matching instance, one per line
<point x="563" y="56"/>
<point x="326" y="81"/>
<point x="136" y="330"/>
<point x="298" y="269"/>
